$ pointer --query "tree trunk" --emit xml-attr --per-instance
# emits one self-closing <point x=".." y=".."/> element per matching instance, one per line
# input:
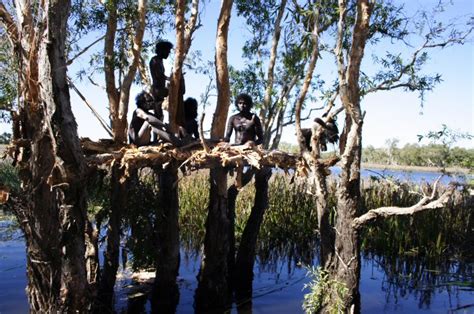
<point x="118" y="205"/>
<point x="222" y="72"/>
<point x="213" y="292"/>
<point x="326" y="231"/>
<point x="165" y="290"/>
<point x="267" y="101"/>
<point x="246" y="254"/>
<point x="52" y="167"/>
<point x="119" y="97"/>
<point x="175" y="98"/>
<point x="344" y="267"/>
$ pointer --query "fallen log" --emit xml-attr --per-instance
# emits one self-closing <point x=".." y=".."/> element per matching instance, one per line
<point x="104" y="154"/>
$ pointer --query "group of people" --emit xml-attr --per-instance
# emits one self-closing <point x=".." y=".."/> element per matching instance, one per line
<point x="147" y="126"/>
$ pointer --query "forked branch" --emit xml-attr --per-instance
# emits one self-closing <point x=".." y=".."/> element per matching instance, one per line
<point x="426" y="203"/>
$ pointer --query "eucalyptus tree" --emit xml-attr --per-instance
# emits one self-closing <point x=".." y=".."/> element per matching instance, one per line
<point x="214" y="291"/>
<point x="124" y="25"/>
<point x="280" y="43"/>
<point x="165" y="292"/>
<point x="362" y="23"/>
<point x="52" y="207"/>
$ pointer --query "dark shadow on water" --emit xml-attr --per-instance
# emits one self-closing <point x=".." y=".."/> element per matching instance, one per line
<point x="413" y="265"/>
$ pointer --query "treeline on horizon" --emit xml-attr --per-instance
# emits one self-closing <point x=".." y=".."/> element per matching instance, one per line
<point x="429" y="155"/>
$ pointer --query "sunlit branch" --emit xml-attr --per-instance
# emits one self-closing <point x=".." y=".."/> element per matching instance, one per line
<point x="427" y="202"/>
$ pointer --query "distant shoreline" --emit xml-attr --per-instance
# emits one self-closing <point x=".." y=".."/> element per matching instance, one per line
<point x="415" y="168"/>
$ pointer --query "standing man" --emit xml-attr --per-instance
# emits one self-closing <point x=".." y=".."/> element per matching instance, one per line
<point x="159" y="89"/>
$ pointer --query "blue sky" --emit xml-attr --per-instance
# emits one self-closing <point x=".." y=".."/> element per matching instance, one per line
<point x="394" y="114"/>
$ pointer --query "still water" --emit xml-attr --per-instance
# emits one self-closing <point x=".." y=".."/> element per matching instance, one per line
<point x="278" y="288"/>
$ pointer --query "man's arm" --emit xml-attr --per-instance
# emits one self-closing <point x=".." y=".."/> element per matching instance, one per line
<point x="230" y="128"/>
<point x="258" y="130"/>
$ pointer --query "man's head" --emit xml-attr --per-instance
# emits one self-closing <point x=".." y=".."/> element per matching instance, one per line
<point x="144" y="101"/>
<point x="190" y="108"/>
<point x="243" y="102"/>
<point x="163" y="48"/>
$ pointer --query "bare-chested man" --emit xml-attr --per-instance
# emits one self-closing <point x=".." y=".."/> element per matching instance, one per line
<point x="157" y="69"/>
<point x="246" y="124"/>
<point x="144" y="123"/>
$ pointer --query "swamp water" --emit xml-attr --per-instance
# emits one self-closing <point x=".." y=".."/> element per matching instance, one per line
<point x="391" y="282"/>
<point x="278" y="289"/>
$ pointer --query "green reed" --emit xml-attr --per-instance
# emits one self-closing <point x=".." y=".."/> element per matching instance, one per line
<point x="290" y="223"/>
<point x="432" y="235"/>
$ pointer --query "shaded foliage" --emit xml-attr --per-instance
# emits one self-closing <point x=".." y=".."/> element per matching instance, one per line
<point x="9" y="81"/>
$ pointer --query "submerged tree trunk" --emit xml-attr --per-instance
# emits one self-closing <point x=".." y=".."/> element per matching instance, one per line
<point x="247" y="249"/>
<point x="165" y="295"/>
<point x="344" y="266"/>
<point x="326" y="230"/>
<point x="213" y="292"/>
<point x="118" y="205"/>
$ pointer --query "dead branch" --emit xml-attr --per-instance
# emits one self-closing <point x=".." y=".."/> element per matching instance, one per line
<point x="201" y="133"/>
<point x="96" y="114"/>
<point x="80" y="53"/>
<point x="426" y="203"/>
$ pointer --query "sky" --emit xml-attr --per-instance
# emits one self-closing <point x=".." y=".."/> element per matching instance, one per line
<point x="389" y="115"/>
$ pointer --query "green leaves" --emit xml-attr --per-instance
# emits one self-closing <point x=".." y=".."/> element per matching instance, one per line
<point x="8" y="82"/>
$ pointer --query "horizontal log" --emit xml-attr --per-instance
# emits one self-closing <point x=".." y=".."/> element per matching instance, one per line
<point x="104" y="154"/>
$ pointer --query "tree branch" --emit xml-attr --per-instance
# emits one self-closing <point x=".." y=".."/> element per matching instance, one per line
<point x="271" y="63"/>
<point x="94" y="112"/>
<point x="70" y="61"/>
<point x="307" y="80"/>
<point x="426" y="203"/>
<point x="454" y="38"/>
<point x="136" y="50"/>
<point x="191" y="26"/>
<point x="9" y="24"/>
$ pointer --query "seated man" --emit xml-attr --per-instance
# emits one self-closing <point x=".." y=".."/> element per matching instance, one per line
<point x="144" y="123"/>
<point x="246" y="124"/>
<point x="190" y="115"/>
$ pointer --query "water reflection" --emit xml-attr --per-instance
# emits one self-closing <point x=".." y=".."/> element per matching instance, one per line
<point x="408" y="265"/>
<point x="277" y="288"/>
<point x="408" y="285"/>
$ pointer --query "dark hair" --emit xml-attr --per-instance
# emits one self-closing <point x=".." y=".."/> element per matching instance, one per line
<point x="244" y="97"/>
<point x="143" y="98"/>
<point x="190" y="108"/>
<point x="163" y="45"/>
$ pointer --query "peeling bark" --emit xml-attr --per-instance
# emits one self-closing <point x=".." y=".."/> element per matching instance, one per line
<point x="213" y="292"/>
<point x="344" y="265"/>
<point x="52" y="165"/>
